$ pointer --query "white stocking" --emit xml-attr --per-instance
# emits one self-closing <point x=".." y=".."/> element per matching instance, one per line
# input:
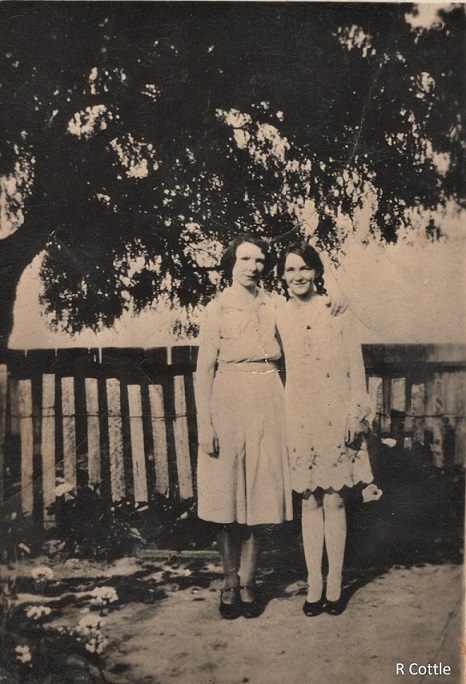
<point x="312" y="522"/>
<point x="335" y="540"/>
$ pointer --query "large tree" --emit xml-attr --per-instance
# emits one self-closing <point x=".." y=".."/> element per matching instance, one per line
<point x="139" y="138"/>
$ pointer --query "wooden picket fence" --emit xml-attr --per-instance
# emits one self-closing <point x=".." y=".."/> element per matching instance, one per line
<point x="419" y="392"/>
<point x="121" y="417"/>
<point x="127" y="417"/>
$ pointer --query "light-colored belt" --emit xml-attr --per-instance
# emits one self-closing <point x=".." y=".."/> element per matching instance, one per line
<point x="247" y="367"/>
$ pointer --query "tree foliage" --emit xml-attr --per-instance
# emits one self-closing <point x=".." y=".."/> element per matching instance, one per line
<point x="140" y="137"/>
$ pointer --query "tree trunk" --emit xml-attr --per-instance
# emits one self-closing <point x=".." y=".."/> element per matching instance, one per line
<point x="16" y="252"/>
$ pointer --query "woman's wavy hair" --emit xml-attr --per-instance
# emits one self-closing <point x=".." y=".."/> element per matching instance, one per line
<point x="311" y="258"/>
<point x="229" y="256"/>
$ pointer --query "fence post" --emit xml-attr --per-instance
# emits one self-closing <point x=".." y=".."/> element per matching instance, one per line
<point x="418" y="412"/>
<point x="137" y="443"/>
<point x="375" y="394"/>
<point x="433" y="406"/>
<point x="26" y="433"/>
<point x="460" y="432"/>
<point x="48" y="445"/>
<point x="386" y="408"/>
<point x="115" y="440"/>
<point x="437" y="423"/>
<point x="69" y="431"/>
<point x="398" y="407"/>
<point x="13" y="388"/>
<point x="180" y="428"/>
<point x="159" y="435"/>
<point x="93" y="431"/>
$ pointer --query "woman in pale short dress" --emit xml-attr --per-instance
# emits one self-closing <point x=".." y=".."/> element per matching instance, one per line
<point x="243" y="469"/>
<point x="327" y="410"/>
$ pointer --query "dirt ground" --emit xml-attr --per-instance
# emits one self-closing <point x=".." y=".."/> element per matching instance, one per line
<point x="399" y="615"/>
<point x="403" y="616"/>
<point x="404" y="581"/>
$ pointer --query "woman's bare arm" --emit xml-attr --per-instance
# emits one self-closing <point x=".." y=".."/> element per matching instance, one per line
<point x="206" y="363"/>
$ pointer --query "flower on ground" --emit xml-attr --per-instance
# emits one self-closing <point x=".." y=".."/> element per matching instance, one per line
<point x="42" y="572"/>
<point x="90" y="624"/>
<point x="23" y="654"/>
<point x="103" y="595"/>
<point x="96" y="644"/>
<point x="89" y="630"/>
<point x="36" y="612"/>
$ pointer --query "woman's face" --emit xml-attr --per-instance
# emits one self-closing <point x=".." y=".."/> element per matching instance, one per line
<point x="299" y="277"/>
<point x="249" y="265"/>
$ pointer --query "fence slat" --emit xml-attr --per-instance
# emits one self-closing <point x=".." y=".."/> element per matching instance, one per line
<point x="180" y="428"/>
<point x="14" y="406"/>
<point x="3" y="403"/>
<point x="449" y="398"/>
<point x="137" y="443"/>
<point x="460" y="429"/>
<point x="397" y="408"/>
<point x="386" y="408"/>
<point x="69" y="431"/>
<point x="48" y="445"/>
<point x="429" y="404"/>
<point x="375" y="394"/>
<point x="417" y="410"/>
<point x="437" y="423"/>
<point x="93" y="431"/>
<point x="27" y="444"/>
<point x="159" y="435"/>
<point x="398" y="395"/>
<point x="409" y="412"/>
<point x="115" y="439"/>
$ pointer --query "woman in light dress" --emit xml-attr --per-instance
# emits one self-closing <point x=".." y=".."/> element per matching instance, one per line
<point x="243" y="470"/>
<point x="327" y="410"/>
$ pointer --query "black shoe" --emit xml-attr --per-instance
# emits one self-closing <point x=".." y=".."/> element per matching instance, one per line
<point x="230" y="611"/>
<point x="250" y="609"/>
<point x="335" y="607"/>
<point x="314" y="608"/>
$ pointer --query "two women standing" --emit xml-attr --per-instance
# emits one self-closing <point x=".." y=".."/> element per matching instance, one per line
<point x="244" y="462"/>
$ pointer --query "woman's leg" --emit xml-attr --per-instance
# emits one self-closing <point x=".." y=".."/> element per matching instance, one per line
<point x="312" y="524"/>
<point x="229" y="545"/>
<point x="250" y="549"/>
<point x="335" y="540"/>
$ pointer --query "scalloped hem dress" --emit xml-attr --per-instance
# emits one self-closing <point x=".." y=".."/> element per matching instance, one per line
<point x="325" y="382"/>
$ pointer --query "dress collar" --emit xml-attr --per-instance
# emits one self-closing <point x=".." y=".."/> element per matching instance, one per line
<point x="235" y="298"/>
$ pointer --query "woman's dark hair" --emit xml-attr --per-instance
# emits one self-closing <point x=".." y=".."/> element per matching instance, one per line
<point x="229" y="257"/>
<point x="311" y="258"/>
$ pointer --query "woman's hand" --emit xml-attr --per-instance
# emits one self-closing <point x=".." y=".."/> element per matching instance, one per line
<point x="353" y="428"/>
<point x="336" y="302"/>
<point x="208" y="442"/>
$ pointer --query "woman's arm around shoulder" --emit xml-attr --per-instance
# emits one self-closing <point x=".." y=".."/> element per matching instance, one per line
<point x="335" y="298"/>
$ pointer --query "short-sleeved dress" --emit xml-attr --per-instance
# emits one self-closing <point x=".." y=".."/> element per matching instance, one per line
<point x="325" y="383"/>
<point x="249" y="481"/>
